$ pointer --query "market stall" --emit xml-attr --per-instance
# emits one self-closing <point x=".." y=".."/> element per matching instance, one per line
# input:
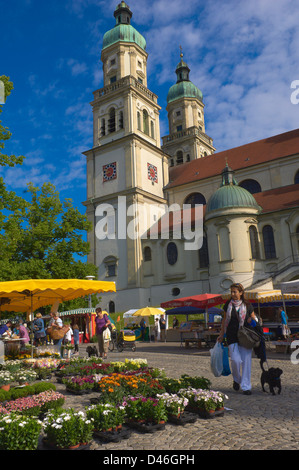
<point x="132" y="322"/>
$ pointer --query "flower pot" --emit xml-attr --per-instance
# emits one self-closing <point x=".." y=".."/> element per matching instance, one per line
<point x="5" y="387"/>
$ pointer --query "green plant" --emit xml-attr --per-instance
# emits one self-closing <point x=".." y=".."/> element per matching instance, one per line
<point x="106" y="416"/>
<point x="19" y="432"/>
<point x="150" y="410"/>
<point x="66" y="428"/>
<point x="195" y="382"/>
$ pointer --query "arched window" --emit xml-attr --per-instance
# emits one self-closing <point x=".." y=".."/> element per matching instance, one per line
<point x="179" y="157"/>
<point x="111" y="307"/>
<point x="269" y="243"/>
<point x="195" y="198"/>
<point x="296" y="181"/>
<point x="251" y="186"/>
<point x="103" y="131"/>
<point x="203" y="254"/>
<point x="147" y="255"/>
<point x="145" y="122"/>
<point x="152" y="129"/>
<point x="138" y="121"/>
<point x="121" y="120"/>
<point x="254" y="242"/>
<point x="111" y="121"/>
<point x="172" y="253"/>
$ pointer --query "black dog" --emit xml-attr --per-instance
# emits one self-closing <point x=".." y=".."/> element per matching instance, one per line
<point x="92" y="351"/>
<point x="272" y="378"/>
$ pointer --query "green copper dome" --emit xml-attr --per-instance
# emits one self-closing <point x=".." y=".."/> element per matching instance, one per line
<point x="230" y="195"/>
<point x="123" y="30"/>
<point x="183" y="88"/>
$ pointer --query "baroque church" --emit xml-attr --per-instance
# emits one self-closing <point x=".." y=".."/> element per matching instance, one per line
<point x="249" y="195"/>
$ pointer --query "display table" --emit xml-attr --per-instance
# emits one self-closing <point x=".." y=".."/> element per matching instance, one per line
<point x="12" y="346"/>
<point x="282" y="346"/>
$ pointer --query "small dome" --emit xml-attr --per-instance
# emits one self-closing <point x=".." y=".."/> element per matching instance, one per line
<point x="123" y="32"/>
<point x="183" y="89"/>
<point x="230" y="195"/>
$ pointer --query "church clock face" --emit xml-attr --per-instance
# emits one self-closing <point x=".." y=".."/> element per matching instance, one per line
<point x="109" y="172"/>
<point x="152" y="173"/>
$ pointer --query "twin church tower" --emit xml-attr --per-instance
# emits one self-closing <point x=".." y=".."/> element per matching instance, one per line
<point x="127" y="159"/>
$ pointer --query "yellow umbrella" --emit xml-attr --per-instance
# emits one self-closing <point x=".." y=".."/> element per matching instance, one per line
<point x="148" y="312"/>
<point x="31" y="294"/>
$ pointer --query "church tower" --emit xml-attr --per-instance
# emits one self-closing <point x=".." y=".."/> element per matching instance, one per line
<point x="187" y="139"/>
<point x="126" y="160"/>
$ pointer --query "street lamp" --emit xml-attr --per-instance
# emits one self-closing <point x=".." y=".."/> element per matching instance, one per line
<point x="90" y="278"/>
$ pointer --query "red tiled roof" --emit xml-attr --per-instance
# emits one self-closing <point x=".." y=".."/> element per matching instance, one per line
<point x="255" y="153"/>
<point x="278" y="199"/>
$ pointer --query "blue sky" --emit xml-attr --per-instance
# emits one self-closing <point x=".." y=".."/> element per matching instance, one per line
<point x="242" y="55"/>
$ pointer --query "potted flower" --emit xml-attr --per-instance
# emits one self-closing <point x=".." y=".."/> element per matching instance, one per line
<point x="19" y="432"/>
<point x="205" y="402"/>
<point x="174" y="404"/>
<point x="106" y="417"/>
<point x="5" y="379"/>
<point x="25" y="376"/>
<point x="79" y="385"/>
<point x="145" y="410"/>
<point x="66" y="429"/>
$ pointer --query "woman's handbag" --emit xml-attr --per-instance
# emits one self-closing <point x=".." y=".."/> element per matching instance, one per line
<point x="56" y="332"/>
<point x="106" y="335"/>
<point x="248" y="338"/>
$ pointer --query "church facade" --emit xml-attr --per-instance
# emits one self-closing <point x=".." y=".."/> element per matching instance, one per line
<point x="240" y="205"/>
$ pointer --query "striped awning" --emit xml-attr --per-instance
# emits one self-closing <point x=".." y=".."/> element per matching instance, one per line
<point x="78" y="311"/>
<point x="266" y="296"/>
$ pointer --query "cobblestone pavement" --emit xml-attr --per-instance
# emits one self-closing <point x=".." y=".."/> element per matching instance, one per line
<point x="256" y="422"/>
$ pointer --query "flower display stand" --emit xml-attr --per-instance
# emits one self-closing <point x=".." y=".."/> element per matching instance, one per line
<point x="183" y="419"/>
<point x="146" y="427"/>
<point x="51" y="446"/>
<point x="207" y="414"/>
<point x="115" y="435"/>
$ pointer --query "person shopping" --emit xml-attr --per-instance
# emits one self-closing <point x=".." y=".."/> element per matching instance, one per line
<point x="102" y="321"/>
<point x="238" y="312"/>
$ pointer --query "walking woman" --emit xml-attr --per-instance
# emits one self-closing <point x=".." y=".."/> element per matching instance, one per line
<point x="102" y="321"/>
<point x="238" y="312"/>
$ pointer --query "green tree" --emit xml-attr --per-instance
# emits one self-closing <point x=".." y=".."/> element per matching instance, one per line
<point x="40" y="236"/>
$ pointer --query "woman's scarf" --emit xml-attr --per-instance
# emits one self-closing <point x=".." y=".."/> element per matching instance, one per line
<point x="238" y="304"/>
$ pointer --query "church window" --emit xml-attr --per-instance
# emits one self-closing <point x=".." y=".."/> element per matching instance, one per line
<point x="179" y="128"/>
<point x="172" y="253"/>
<point x="103" y="127"/>
<point x="111" y="266"/>
<point x="203" y="254"/>
<point x="178" y="113"/>
<point x="121" y="120"/>
<point x="195" y="198"/>
<point x="111" y="121"/>
<point x="175" y="291"/>
<point x="147" y="254"/>
<point x="224" y="244"/>
<point x="252" y="186"/>
<point x="112" y="62"/>
<point x="152" y="129"/>
<point x="188" y="157"/>
<point x="171" y="162"/>
<point x="113" y="79"/>
<point x="296" y="181"/>
<point x="254" y="242"/>
<point x="139" y="64"/>
<point x="145" y="122"/>
<point x="138" y="121"/>
<point x="269" y="243"/>
<point x="111" y="307"/>
<point x="140" y="80"/>
<point x="179" y="157"/>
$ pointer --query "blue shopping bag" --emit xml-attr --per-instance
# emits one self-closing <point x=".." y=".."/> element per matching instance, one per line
<point x="226" y="369"/>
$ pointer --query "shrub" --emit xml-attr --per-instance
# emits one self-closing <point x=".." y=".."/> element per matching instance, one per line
<point x="19" y="432"/>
